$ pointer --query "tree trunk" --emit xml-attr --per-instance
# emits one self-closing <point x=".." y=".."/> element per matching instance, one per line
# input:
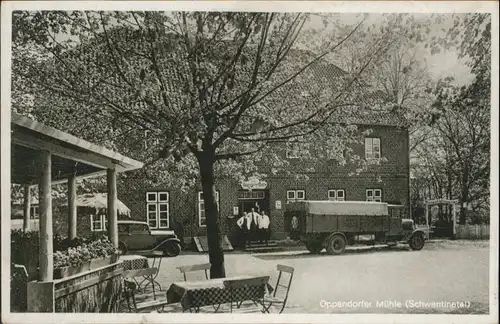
<point x="216" y="256"/>
<point x="464" y="195"/>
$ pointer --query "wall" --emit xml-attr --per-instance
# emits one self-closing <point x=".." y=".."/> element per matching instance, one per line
<point x="478" y="232"/>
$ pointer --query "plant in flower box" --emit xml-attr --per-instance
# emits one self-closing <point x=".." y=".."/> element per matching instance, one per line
<point x="102" y="252"/>
<point x="70" y="262"/>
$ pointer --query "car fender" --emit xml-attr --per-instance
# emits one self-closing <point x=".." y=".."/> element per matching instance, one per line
<point x="166" y="241"/>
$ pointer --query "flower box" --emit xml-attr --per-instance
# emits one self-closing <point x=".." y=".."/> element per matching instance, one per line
<point x="64" y="272"/>
<point x="102" y="262"/>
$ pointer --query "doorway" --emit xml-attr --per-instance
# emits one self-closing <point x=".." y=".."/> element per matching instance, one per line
<point x="256" y="199"/>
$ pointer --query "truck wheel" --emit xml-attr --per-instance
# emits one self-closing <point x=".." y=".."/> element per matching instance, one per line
<point x="336" y="244"/>
<point x="314" y="247"/>
<point x="171" y="250"/>
<point x="417" y="242"/>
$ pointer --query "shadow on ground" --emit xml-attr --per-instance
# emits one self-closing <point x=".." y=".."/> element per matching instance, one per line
<point x="307" y="254"/>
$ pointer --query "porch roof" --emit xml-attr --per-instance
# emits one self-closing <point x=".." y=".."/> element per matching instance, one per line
<point x="70" y="153"/>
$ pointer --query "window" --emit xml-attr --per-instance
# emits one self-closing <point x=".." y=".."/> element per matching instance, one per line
<point x="293" y="150"/>
<point x="336" y="194"/>
<point x="158" y="209"/>
<point x="396" y="213"/>
<point x="138" y="229"/>
<point x="251" y="194"/>
<point x="202" y="219"/>
<point x="372" y="148"/>
<point x="123" y="228"/>
<point x="98" y="223"/>
<point x="293" y="195"/>
<point x="34" y="212"/>
<point x="147" y="141"/>
<point x="374" y="195"/>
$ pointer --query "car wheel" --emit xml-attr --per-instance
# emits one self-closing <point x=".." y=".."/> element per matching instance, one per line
<point x="417" y="242"/>
<point x="336" y="244"/>
<point x="122" y="248"/>
<point x="171" y="249"/>
<point x="314" y="247"/>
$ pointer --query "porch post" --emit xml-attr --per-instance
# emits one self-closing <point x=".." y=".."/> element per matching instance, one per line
<point x="112" y="213"/>
<point x="27" y="208"/>
<point x="72" y="206"/>
<point x="45" y="253"/>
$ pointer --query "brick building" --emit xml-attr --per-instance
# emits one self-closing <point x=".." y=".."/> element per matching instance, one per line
<point x="388" y="181"/>
<point x="165" y="207"/>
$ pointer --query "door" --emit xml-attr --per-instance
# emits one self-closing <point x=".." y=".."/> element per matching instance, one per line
<point x="140" y="238"/>
<point x="256" y="199"/>
<point x="395" y="226"/>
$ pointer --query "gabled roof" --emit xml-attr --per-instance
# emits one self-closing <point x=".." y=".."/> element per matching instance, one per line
<point x="327" y="75"/>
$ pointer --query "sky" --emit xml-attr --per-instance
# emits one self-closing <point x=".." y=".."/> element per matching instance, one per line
<point x="439" y="65"/>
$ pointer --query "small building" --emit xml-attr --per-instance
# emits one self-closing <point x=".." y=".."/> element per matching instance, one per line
<point x="91" y="213"/>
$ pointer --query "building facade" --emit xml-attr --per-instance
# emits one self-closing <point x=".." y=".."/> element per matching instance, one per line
<point x="388" y="181"/>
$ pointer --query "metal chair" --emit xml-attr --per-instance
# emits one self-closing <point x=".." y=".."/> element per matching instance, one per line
<point x="157" y="258"/>
<point x="195" y="267"/>
<point x="275" y="300"/>
<point x="252" y="289"/>
<point x="131" y="288"/>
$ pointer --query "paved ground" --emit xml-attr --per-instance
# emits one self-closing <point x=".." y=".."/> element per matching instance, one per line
<point x="449" y="271"/>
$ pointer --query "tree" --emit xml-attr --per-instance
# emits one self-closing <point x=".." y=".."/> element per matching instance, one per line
<point x="215" y="89"/>
<point x="463" y="123"/>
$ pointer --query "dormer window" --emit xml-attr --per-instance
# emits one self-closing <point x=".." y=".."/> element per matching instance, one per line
<point x="372" y="148"/>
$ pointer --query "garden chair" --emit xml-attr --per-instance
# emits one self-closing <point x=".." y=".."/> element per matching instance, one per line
<point x="279" y="300"/>
<point x="157" y="257"/>
<point x="195" y="267"/>
<point x="131" y="296"/>
<point x="241" y="290"/>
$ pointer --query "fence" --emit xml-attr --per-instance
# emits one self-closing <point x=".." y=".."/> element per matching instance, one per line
<point x="477" y="232"/>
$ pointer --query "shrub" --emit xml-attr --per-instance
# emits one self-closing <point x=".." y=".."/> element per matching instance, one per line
<point x="67" y="252"/>
<point x="80" y="251"/>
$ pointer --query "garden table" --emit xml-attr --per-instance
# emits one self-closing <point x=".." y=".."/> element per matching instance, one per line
<point x="133" y="262"/>
<point x="195" y="294"/>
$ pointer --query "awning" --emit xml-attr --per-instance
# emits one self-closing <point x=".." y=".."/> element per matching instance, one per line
<point x="95" y="200"/>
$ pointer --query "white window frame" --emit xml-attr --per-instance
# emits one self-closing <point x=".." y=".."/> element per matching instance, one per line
<point x="333" y="194"/>
<point x="146" y="134"/>
<point x="34" y="212"/>
<point x="103" y="222"/>
<point x="290" y="152"/>
<point x="295" y="196"/>
<point x="157" y="214"/>
<point x="200" y="209"/>
<point x="370" y="152"/>
<point x="374" y="194"/>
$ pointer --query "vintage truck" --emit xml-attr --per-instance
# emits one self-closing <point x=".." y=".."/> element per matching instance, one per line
<point x="335" y="224"/>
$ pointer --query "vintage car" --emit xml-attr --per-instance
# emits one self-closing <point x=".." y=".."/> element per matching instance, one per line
<point x="335" y="224"/>
<point x="136" y="236"/>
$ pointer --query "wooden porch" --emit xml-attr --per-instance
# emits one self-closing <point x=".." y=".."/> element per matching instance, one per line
<point x="42" y="156"/>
